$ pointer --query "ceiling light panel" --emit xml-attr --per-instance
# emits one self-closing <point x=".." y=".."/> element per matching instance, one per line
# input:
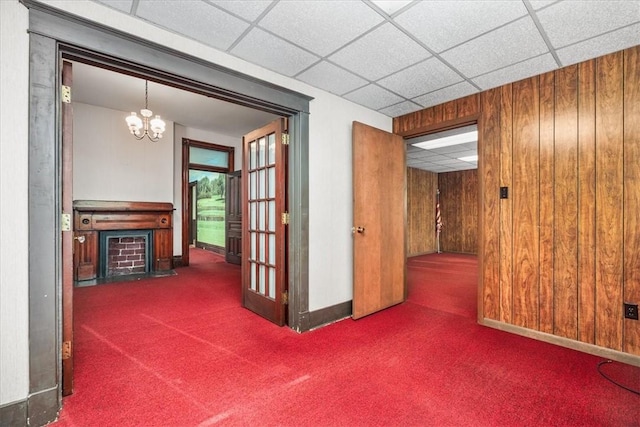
<point x="442" y="25"/>
<point x="473" y="158"/>
<point x="432" y="142"/>
<point x="421" y="78"/>
<point x="380" y="53"/>
<point x="195" y="19"/>
<point x="320" y="26"/>
<point x="505" y="46"/>
<point x="258" y="47"/>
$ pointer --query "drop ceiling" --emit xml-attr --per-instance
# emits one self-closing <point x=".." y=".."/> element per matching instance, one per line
<point x="397" y="57"/>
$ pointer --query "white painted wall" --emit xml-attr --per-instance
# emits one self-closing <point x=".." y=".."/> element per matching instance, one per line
<point x="14" y="246"/>
<point x="110" y="164"/>
<point x="330" y="175"/>
<point x="197" y="135"/>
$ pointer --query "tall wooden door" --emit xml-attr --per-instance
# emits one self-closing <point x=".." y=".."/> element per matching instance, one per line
<point x="233" y="207"/>
<point x="67" y="230"/>
<point x="379" y="217"/>
<point x="264" y="270"/>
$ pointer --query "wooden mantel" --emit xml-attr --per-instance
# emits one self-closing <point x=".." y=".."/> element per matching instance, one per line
<point x="90" y="217"/>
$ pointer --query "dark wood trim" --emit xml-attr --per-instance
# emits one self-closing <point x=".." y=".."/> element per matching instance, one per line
<point x="67" y="236"/>
<point x="120" y="206"/>
<point x="331" y="314"/>
<point x="45" y="256"/>
<point x="186" y="206"/>
<point x="440" y="126"/>
<point x="186" y="165"/>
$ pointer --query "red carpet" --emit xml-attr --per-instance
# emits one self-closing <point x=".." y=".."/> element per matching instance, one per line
<point x="180" y="351"/>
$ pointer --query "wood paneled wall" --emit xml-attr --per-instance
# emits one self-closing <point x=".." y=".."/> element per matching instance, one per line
<point x="459" y="211"/>
<point x="562" y="253"/>
<point x="421" y="206"/>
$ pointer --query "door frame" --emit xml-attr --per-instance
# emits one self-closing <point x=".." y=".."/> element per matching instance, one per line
<point x="53" y="35"/>
<point x="186" y="191"/>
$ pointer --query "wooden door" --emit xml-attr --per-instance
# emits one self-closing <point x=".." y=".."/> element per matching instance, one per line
<point x="67" y="234"/>
<point x="379" y="217"/>
<point x="233" y="207"/>
<point x="263" y="232"/>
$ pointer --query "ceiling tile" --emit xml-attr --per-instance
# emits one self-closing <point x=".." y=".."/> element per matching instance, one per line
<point x="573" y="21"/>
<point x="530" y="67"/>
<point x="246" y="9"/>
<point x="374" y="97"/>
<point x="507" y="45"/>
<point x="121" y="5"/>
<point x="272" y="52"/>
<point x="539" y="4"/>
<point x="391" y="6"/>
<point x="444" y="24"/>
<point x="455" y="91"/>
<point x="421" y="78"/>
<point x="331" y="78"/>
<point x="602" y="45"/>
<point x="459" y="150"/>
<point x="320" y="26"/>
<point x="195" y="19"/>
<point x="380" y="53"/>
<point x="400" y="109"/>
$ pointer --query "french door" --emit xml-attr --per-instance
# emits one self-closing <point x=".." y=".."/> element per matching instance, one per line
<point x="264" y="219"/>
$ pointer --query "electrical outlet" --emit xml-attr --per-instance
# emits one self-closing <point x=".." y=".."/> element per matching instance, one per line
<point x="630" y="311"/>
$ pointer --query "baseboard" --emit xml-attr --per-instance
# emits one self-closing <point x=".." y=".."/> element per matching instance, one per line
<point x="14" y="414"/>
<point x="331" y="314"/>
<point x="593" y="349"/>
<point x="37" y="410"/>
<point x="178" y="261"/>
<point x="43" y="407"/>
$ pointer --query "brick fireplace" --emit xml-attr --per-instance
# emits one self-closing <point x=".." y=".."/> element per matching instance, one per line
<point x="125" y="252"/>
<point x="114" y="238"/>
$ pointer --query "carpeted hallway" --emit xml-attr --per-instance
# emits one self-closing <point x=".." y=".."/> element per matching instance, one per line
<point x="181" y="351"/>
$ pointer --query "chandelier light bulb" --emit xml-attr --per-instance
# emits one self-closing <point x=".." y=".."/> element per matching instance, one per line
<point x="139" y="127"/>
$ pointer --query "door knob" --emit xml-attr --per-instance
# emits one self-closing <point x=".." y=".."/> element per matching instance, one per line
<point x="357" y="229"/>
<point x="80" y="239"/>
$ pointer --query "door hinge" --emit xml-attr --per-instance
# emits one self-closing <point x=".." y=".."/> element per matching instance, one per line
<point x="65" y="222"/>
<point x="66" y="94"/>
<point x="285" y="218"/>
<point x="285" y="298"/>
<point x="285" y="139"/>
<point x="66" y="350"/>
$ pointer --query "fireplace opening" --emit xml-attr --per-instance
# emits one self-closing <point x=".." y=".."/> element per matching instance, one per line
<point x="125" y="253"/>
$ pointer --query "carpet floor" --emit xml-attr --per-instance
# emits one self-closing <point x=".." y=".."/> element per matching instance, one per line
<point x="181" y="351"/>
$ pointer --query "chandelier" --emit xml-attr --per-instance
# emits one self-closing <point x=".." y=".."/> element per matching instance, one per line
<point x="139" y="127"/>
